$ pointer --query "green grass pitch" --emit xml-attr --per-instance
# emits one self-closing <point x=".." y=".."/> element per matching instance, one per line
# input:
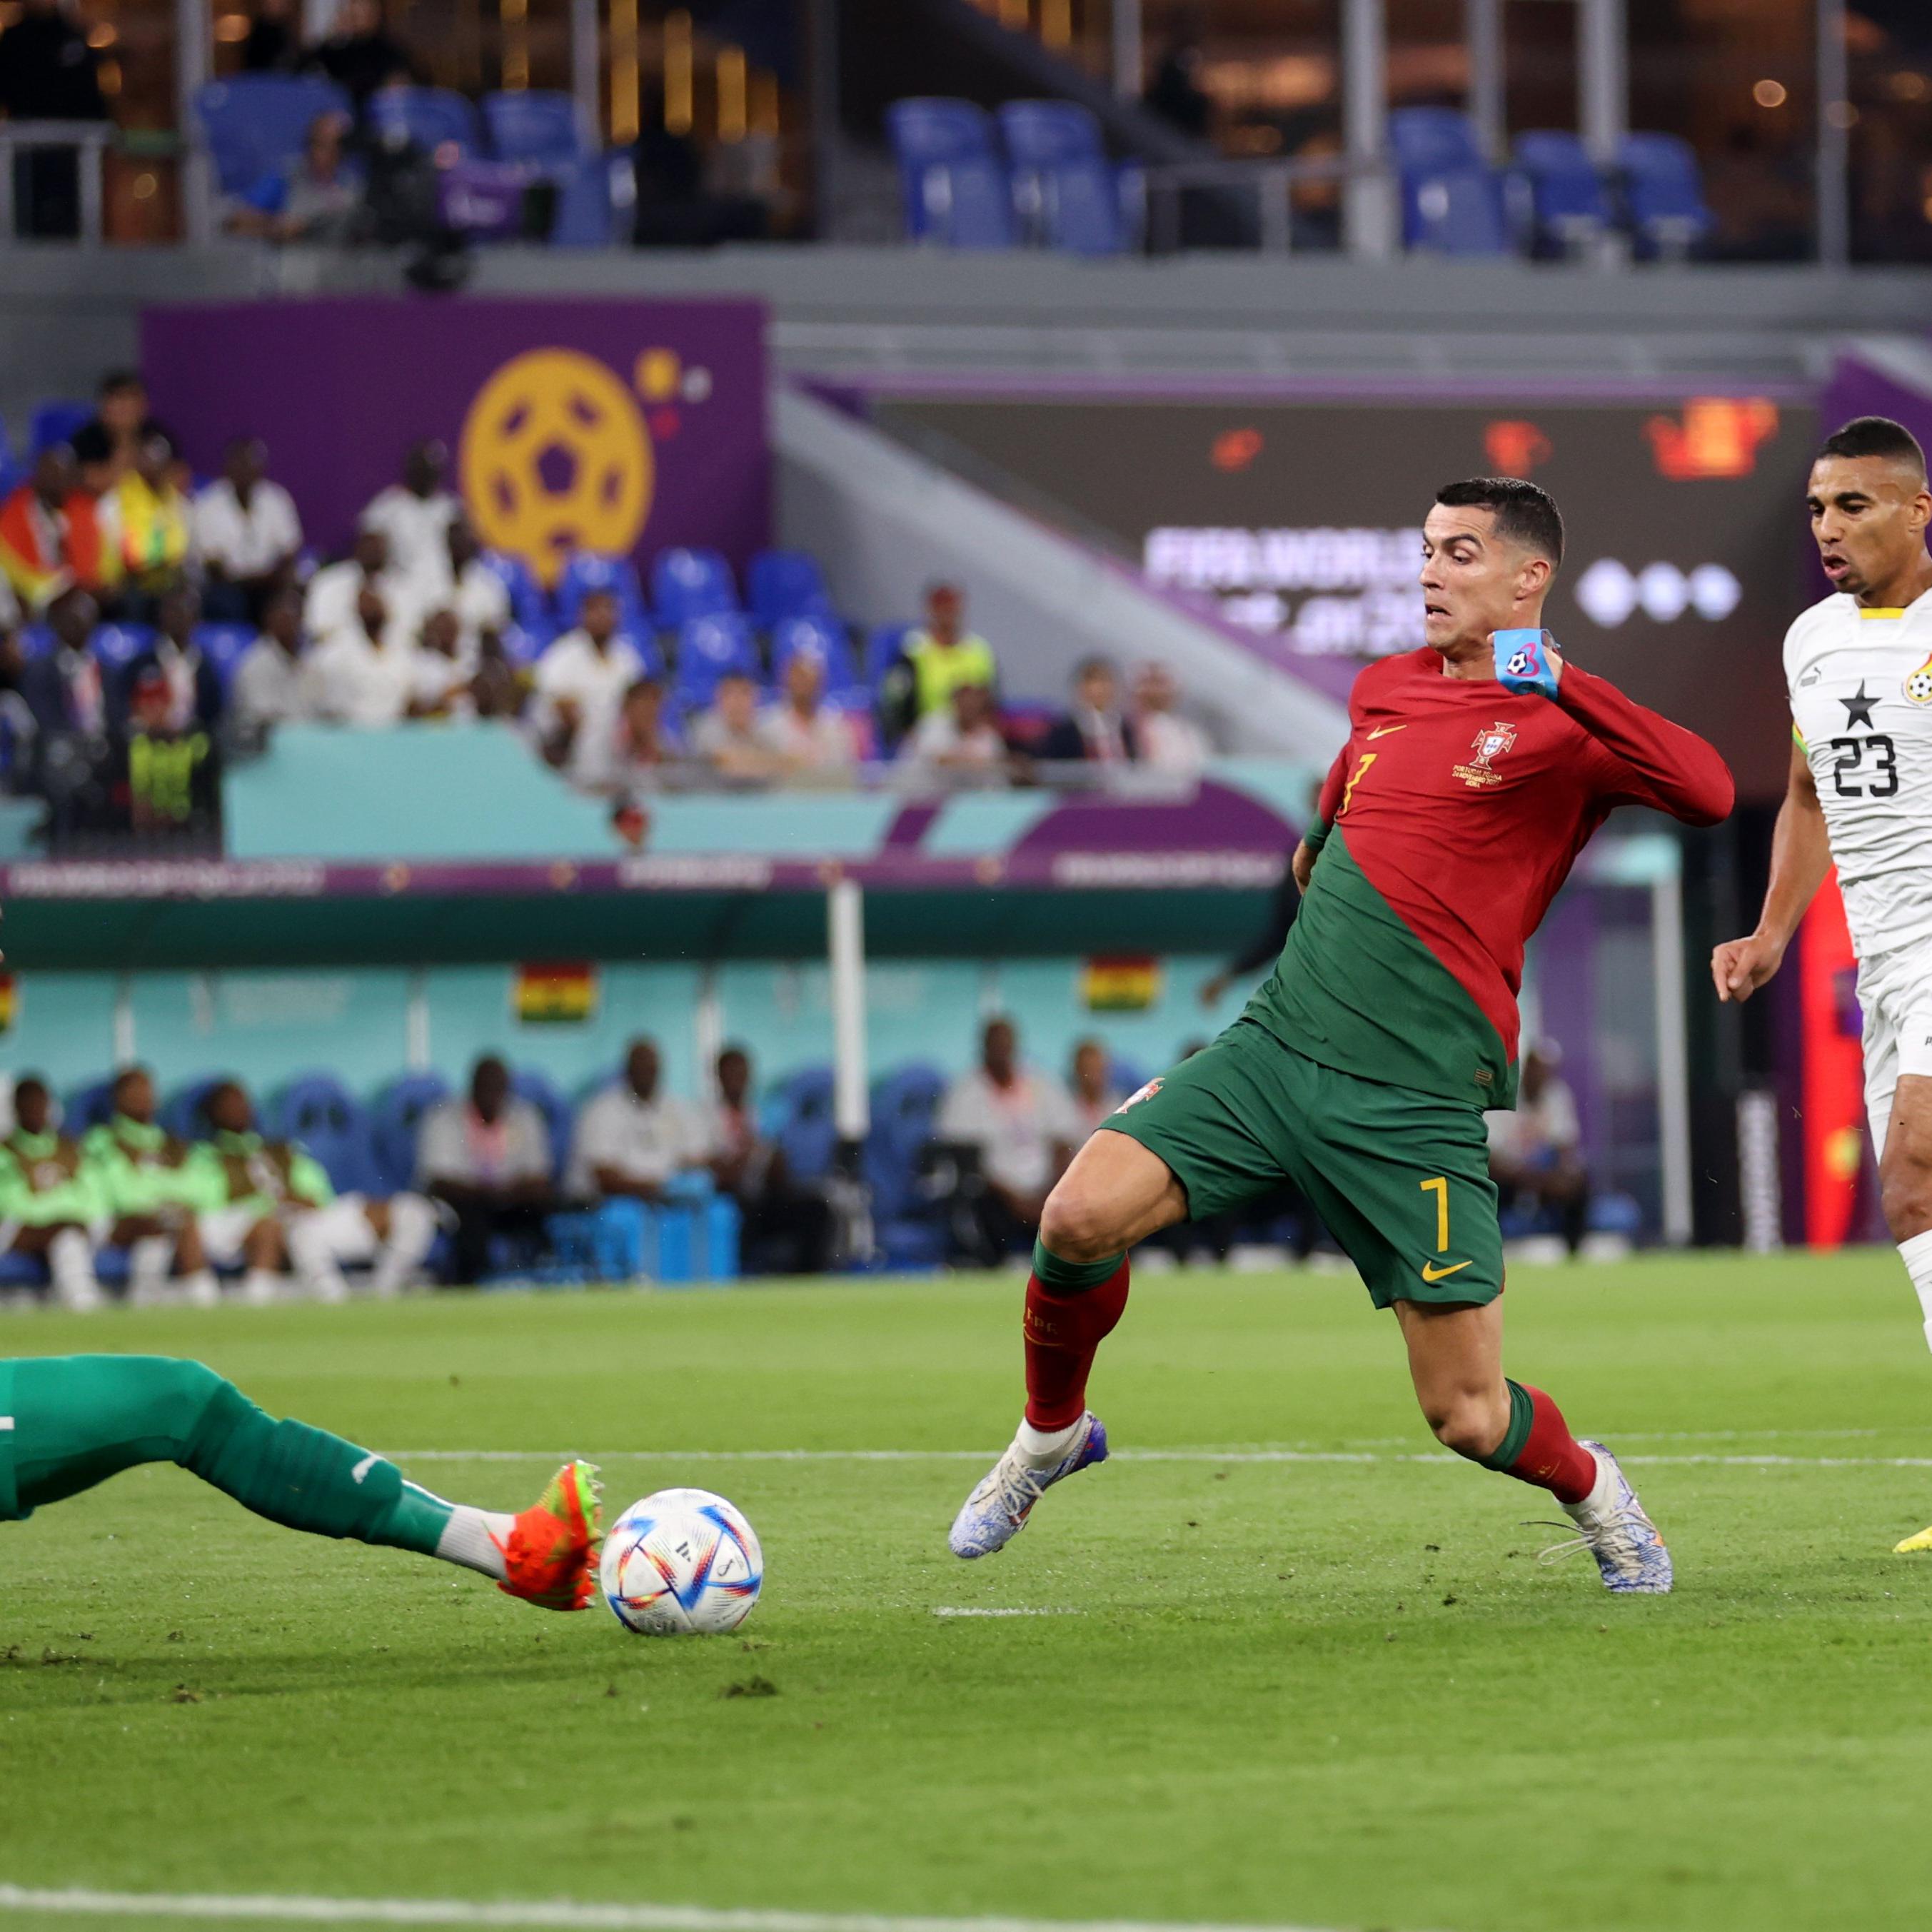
<point x="1333" y="1692"/>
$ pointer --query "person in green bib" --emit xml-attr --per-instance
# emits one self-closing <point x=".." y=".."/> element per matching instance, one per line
<point x="150" y="1189"/>
<point x="943" y="654"/>
<point x="49" y="1206"/>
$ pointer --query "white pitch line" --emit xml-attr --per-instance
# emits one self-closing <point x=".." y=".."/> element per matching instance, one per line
<point x="280" y="1909"/>
<point x="1439" y="1458"/>
<point x="972" y="1610"/>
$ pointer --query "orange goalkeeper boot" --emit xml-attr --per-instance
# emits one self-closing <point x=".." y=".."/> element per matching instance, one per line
<point x="549" y="1557"/>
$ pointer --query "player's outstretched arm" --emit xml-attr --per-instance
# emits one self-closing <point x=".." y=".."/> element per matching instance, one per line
<point x="1800" y="856"/>
<point x="1670" y="768"/>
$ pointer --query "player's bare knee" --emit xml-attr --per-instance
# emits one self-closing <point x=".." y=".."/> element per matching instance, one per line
<point x="1464" y="1420"/>
<point x="1905" y="1197"/>
<point x="1074" y="1225"/>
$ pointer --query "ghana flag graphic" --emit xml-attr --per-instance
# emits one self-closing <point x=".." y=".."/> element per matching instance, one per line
<point x="555" y="994"/>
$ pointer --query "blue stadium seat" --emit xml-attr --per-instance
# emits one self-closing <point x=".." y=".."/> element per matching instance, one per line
<point x="1459" y="213"/>
<point x="434" y="118"/>
<point x="884" y="645"/>
<point x="785" y="584"/>
<point x="181" y="1113"/>
<point x="528" y="610"/>
<point x="1125" y="1074"/>
<point x="1664" y="195"/>
<point x="709" y="648"/>
<point x="529" y="1085"/>
<point x="687" y="584"/>
<point x="586" y="570"/>
<point x="1064" y="187"/>
<point x="117" y="646"/>
<point x="255" y="123"/>
<point x="1569" y="209"/>
<point x="318" y="1111"/>
<point x="909" y="1228"/>
<point x="801" y="1122"/>
<point x="824" y="635"/>
<point x="537" y="126"/>
<point x="56" y="422"/>
<point x="953" y="181"/>
<point x="224" y="646"/>
<point x="394" y="1115"/>
<point x="91" y="1105"/>
<point x="1434" y="141"/>
<point x="591" y="196"/>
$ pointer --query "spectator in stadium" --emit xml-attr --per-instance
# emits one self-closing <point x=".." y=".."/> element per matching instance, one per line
<point x="363" y="673"/>
<point x="638" y="753"/>
<point x="190" y="687"/>
<point x="1019" y="1126"/>
<point x="48" y="72"/>
<point x="107" y="446"/>
<point x="268" y="689"/>
<point x="165" y="776"/>
<point x="1168" y="742"/>
<point x="63" y="689"/>
<point x="786" y="1228"/>
<point x="1174" y="92"/>
<point x="943" y="655"/>
<point x="50" y="533"/>
<point x="141" y="1175"/>
<point x="361" y="56"/>
<point x="632" y="1139"/>
<point x="443" y="670"/>
<point x="145" y="519"/>
<point x="317" y="197"/>
<point x="274" y="43"/>
<point x="48" y="1204"/>
<point x="247" y="535"/>
<point x="498" y="688"/>
<point x="335" y="591"/>
<point x="1094" y="730"/>
<point x="581" y="683"/>
<point x="476" y="593"/>
<point x="487" y="1156"/>
<point x="962" y="745"/>
<point x="1536" y="1151"/>
<point x="415" y="514"/>
<point x="728" y="737"/>
<point x="811" y="743"/>
<point x="1093" y="1094"/>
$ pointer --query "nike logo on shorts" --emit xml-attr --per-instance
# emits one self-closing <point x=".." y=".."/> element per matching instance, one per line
<point x="1431" y="1273"/>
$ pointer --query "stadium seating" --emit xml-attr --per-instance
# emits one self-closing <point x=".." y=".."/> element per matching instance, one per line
<point x="799" y="1118"/>
<point x="55" y="422"/>
<point x="1065" y="190"/>
<point x="117" y="646"/>
<point x="952" y="180"/>
<point x="541" y="127"/>
<point x="434" y="117"/>
<point x="1451" y="200"/>
<point x="1568" y="209"/>
<point x="1664" y="195"/>
<point x="89" y="1106"/>
<point x="824" y="635"/>
<point x="785" y="584"/>
<point x="709" y="648"/>
<point x="527" y="609"/>
<point x="181" y="1113"/>
<point x="331" y="1123"/>
<point x="688" y="584"/>
<point x="587" y="570"/>
<point x="254" y="124"/>
<point x="908" y="1228"/>
<point x="394" y="1119"/>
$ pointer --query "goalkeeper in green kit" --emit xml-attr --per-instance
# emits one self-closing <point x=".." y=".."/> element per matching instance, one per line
<point x="67" y="1422"/>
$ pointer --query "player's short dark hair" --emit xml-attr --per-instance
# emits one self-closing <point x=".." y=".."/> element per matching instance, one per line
<point x="1876" y="436"/>
<point x="1524" y="514"/>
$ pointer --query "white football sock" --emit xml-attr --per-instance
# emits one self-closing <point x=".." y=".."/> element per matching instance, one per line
<point x="1916" y="1254"/>
<point x="261" y="1285"/>
<point x="1047" y="1445"/>
<point x="313" y="1260"/>
<point x="200" y="1289"/>
<point x="148" y="1261"/>
<point x="70" y="1263"/>
<point x="1592" y="1508"/>
<point x="467" y="1536"/>
<point x="412" y="1226"/>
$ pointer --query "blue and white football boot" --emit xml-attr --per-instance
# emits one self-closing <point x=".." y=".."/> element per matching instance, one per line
<point x="1612" y="1526"/>
<point x="997" y="1510"/>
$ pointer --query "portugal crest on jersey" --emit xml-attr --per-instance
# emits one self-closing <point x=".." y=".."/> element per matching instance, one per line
<point x="1918" y="685"/>
<point x="1489" y="744"/>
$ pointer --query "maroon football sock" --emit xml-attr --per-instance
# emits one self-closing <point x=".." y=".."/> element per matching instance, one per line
<point x="1062" y="1332"/>
<point x="1549" y="1455"/>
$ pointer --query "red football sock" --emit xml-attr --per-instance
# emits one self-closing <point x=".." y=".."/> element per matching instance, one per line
<point x="1062" y="1332"/>
<point x="1551" y="1457"/>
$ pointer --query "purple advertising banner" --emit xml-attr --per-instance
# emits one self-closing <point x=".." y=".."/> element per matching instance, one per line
<point x="625" y="427"/>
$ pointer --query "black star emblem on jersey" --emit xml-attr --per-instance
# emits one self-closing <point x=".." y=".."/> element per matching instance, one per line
<point x="1858" y="709"/>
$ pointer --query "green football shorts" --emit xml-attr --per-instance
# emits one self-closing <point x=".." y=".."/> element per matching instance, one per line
<point x="1402" y="1178"/>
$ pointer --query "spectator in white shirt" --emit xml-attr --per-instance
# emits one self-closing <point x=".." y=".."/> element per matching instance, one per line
<point x="811" y="741"/>
<point x="476" y="593"/>
<point x="636" y="754"/>
<point x="443" y="669"/>
<point x="1022" y="1126"/>
<point x="581" y="683"/>
<point x="336" y="589"/>
<point x="268" y="688"/>
<point x="960" y="745"/>
<point x="727" y="737"/>
<point x="632" y="1139"/>
<point x="247" y="534"/>
<point x="363" y="674"/>
<point x="415" y="515"/>
<point x="1093" y="1095"/>
<point x="1168" y="742"/>
<point x="487" y="1156"/>
<point x="1536" y="1152"/>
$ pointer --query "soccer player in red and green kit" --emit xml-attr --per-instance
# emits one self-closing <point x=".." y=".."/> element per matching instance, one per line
<point x="1476" y="769"/>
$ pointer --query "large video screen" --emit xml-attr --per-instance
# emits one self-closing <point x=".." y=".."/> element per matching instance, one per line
<point x="1687" y="543"/>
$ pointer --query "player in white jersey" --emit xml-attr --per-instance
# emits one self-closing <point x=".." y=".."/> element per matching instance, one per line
<point x="1859" y="668"/>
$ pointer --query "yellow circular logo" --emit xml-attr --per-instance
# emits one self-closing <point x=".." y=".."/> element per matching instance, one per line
<point x="555" y="457"/>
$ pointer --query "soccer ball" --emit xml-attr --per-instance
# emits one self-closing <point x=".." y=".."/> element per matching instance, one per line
<point x="1918" y="685"/>
<point x="681" y="1562"/>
